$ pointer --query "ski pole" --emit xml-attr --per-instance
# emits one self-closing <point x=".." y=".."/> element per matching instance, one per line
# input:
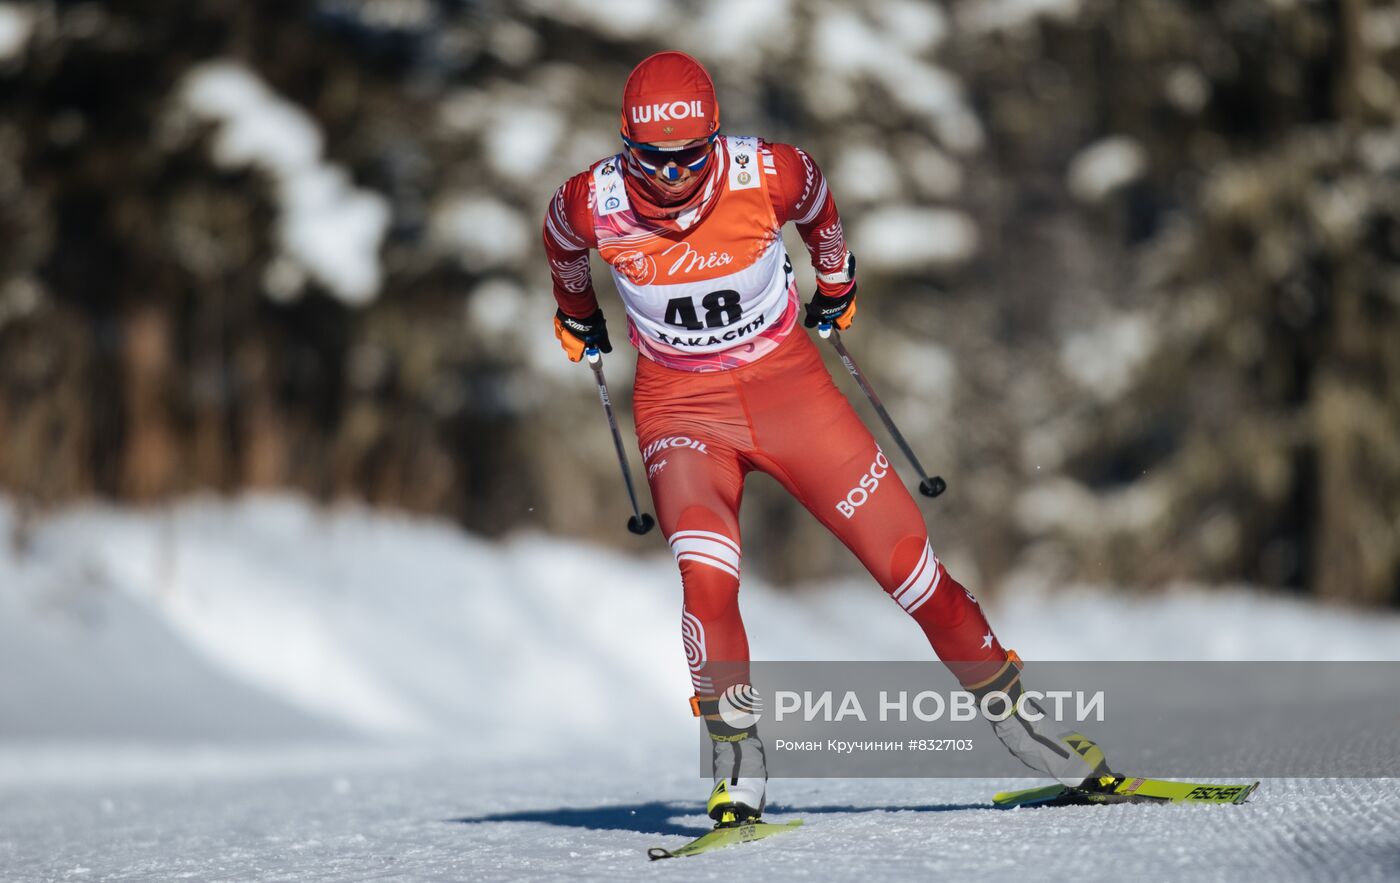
<point x="640" y="522"/>
<point x="929" y="487"/>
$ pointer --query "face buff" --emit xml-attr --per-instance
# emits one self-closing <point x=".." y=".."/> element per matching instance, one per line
<point x="670" y="97"/>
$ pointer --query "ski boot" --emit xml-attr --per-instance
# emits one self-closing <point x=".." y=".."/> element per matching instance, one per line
<point x="740" y="771"/>
<point x="1043" y="745"/>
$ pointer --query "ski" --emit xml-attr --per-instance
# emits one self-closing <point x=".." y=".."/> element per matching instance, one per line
<point x="722" y="837"/>
<point x="1125" y="789"/>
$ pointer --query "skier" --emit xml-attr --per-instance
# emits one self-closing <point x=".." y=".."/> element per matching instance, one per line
<point x="689" y="221"/>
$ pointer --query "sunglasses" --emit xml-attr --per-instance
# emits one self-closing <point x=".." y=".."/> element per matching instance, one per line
<point x="654" y="159"/>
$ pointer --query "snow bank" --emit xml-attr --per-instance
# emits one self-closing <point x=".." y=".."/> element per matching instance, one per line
<point x="1067" y="506"/>
<point x="864" y="173"/>
<point x="912" y="25"/>
<point x="908" y="238"/>
<point x="486" y="232"/>
<point x="740" y="34"/>
<point x="928" y="376"/>
<point x="620" y="19"/>
<point x="16" y="26"/>
<point x="330" y="227"/>
<point x="1380" y="149"/>
<point x="1187" y="622"/>
<point x="266" y="617"/>
<point x="989" y="16"/>
<point x="848" y="47"/>
<point x="401" y="627"/>
<point x="934" y="173"/>
<point x="1380" y="28"/>
<point x="523" y="139"/>
<point x="1105" y="359"/>
<point x="495" y="308"/>
<point x="19" y="297"/>
<point x="1187" y="88"/>
<point x="1106" y="166"/>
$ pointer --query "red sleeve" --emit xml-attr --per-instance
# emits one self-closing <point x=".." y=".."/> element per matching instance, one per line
<point x="800" y="194"/>
<point x="568" y="235"/>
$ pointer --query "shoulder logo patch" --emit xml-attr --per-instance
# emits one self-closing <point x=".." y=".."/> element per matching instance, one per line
<point x="742" y="149"/>
<point x="608" y="187"/>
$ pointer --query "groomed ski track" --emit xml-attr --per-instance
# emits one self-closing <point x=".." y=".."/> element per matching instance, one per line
<point x="259" y="690"/>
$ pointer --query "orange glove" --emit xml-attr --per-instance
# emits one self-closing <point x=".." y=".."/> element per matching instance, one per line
<point x="576" y="335"/>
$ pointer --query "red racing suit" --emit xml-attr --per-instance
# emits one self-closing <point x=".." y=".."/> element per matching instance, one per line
<point x="724" y="386"/>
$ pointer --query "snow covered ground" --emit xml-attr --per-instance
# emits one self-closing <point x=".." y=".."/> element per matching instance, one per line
<point x="459" y="819"/>
<point x="260" y="689"/>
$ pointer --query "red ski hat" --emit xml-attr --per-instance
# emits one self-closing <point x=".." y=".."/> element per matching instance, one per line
<point x="669" y="97"/>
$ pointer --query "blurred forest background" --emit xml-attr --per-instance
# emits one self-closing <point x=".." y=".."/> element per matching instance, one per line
<point x="1130" y="271"/>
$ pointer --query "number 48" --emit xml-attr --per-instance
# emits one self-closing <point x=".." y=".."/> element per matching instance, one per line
<point x="721" y="309"/>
